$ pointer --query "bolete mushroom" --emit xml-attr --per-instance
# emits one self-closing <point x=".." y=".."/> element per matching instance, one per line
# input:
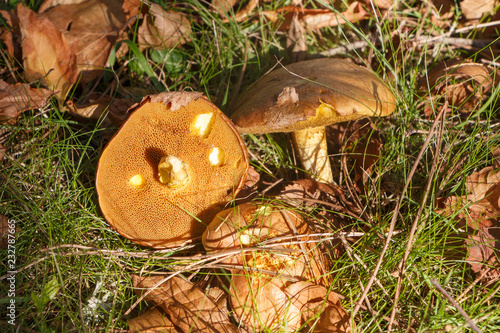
<point x="276" y="285"/>
<point x="305" y="97"/>
<point x="169" y="169"/>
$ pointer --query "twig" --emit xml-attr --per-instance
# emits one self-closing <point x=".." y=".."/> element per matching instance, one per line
<point x="395" y="217"/>
<point x="415" y="224"/>
<point x="457" y="306"/>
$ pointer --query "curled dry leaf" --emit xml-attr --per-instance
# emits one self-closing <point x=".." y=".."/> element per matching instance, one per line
<point x="190" y="309"/>
<point x="16" y="98"/>
<point x="152" y="321"/>
<point x="162" y="29"/>
<point x="478" y="216"/>
<point x="46" y="53"/>
<point x="462" y="84"/>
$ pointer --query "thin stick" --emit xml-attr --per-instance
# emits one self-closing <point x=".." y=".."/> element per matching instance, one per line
<point x="395" y="216"/>
<point x="457" y="306"/>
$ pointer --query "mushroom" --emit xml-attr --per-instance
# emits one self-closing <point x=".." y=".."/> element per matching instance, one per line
<point x="305" y="97"/>
<point x="174" y="163"/>
<point x="273" y="286"/>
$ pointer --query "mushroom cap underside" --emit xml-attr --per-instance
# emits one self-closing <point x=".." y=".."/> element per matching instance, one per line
<point x="153" y="214"/>
<point x="290" y="99"/>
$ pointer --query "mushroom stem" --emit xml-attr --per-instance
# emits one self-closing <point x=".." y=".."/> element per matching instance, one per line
<point x="172" y="172"/>
<point x="310" y="144"/>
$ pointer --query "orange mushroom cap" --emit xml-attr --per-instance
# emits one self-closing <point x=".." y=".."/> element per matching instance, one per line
<point x="161" y="139"/>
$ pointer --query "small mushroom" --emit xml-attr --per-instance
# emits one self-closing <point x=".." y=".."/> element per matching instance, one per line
<point x="249" y="224"/>
<point x="305" y="97"/>
<point x="169" y="169"/>
<point x="261" y="278"/>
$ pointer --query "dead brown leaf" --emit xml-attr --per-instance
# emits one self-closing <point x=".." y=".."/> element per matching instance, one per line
<point x="152" y="321"/>
<point x="473" y="10"/>
<point x="2" y="152"/>
<point x="16" y="98"/>
<point x="222" y="7"/>
<point x="478" y="218"/>
<point x="112" y="110"/>
<point x="249" y="190"/>
<point x="46" y="53"/>
<point x="10" y="34"/>
<point x="360" y="141"/>
<point x="190" y="309"/>
<point x="162" y="29"/>
<point x="319" y="307"/>
<point x="4" y="231"/>
<point x="90" y="29"/>
<point x="296" y="40"/>
<point x="381" y="4"/>
<point x="463" y="84"/>
<point x="316" y="18"/>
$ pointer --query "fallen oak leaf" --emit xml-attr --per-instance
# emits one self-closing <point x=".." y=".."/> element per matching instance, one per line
<point x="91" y="29"/>
<point x="10" y="34"/>
<point x="17" y="98"/>
<point x="463" y="84"/>
<point x="46" y="53"/>
<point x="477" y="214"/>
<point x="473" y="10"/>
<point x="152" y="321"/>
<point x="316" y="18"/>
<point x="162" y="29"/>
<point x="190" y="309"/>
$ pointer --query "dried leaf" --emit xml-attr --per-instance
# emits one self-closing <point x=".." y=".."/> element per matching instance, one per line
<point x="189" y="307"/>
<point x="46" y="53"/>
<point x="462" y="84"/>
<point x="10" y="34"/>
<point x="161" y="29"/>
<point x="319" y="307"/>
<point x="2" y="152"/>
<point x="249" y="189"/>
<point x="152" y="321"/>
<point x="315" y="18"/>
<point x="473" y="10"/>
<point x="361" y="141"/>
<point x="112" y="110"/>
<point x="91" y="29"/>
<point x="478" y="216"/>
<point x="4" y="231"/>
<point x="223" y="6"/>
<point x="353" y="14"/>
<point x="381" y="4"/>
<point x="296" y="40"/>
<point x="16" y="98"/>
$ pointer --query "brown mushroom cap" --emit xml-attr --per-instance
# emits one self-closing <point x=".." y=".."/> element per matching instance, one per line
<point x="287" y="99"/>
<point x="153" y="214"/>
